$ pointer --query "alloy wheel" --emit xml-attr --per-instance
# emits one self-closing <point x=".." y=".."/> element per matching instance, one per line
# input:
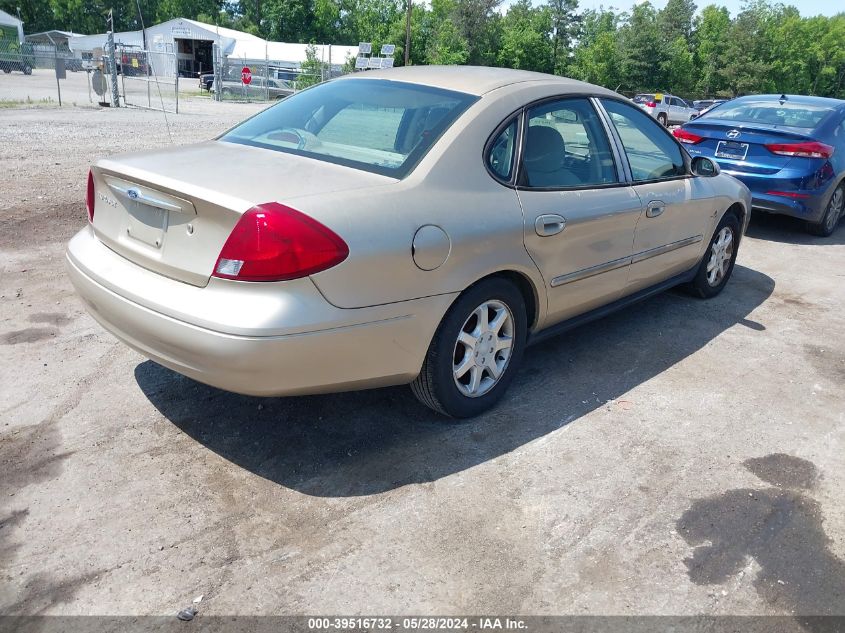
<point x="721" y="253"/>
<point x="483" y="349"/>
<point x="834" y="211"/>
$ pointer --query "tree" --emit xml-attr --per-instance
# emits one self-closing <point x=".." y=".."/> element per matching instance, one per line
<point x="712" y="28"/>
<point x="313" y="70"/>
<point x="676" y="19"/>
<point x="526" y="38"/>
<point x="744" y="69"/>
<point x="599" y="62"/>
<point x="566" y="28"/>
<point x="679" y="67"/>
<point x="477" y="24"/>
<point x="447" y="44"/>
<point x="642" y="49"/>
<point x="421" y="32"/>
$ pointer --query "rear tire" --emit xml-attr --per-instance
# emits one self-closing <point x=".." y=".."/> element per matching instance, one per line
<point x="717" y="265"/>
<point x="832" y="214"/>
<point x="27" y="70"/>
<point x="663" y="119"/>
<point x="475" y="352"/>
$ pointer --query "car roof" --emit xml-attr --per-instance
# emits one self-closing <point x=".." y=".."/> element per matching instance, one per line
<point x="821" y="101"/>
<point x="476" y="80"/>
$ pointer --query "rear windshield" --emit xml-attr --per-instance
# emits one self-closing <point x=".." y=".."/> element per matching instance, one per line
<point x="644" y="98"/>
<point x="381" y="126"/>
<point x="772" y="113"/>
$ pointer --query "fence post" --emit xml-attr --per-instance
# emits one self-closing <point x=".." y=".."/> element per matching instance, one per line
<point x="58" y="72"/>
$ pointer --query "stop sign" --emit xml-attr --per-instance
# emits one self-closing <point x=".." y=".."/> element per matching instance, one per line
<point x="246" y="75"/>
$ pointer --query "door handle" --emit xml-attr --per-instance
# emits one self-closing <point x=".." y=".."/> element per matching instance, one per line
<point x="549" y="224"/>
<point x="654" y="209"/>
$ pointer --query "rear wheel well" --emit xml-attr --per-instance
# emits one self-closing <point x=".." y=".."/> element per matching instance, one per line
<point x="526" y="289"/>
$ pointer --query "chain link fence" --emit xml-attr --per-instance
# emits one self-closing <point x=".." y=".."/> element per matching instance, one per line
<point x="261" y="80"/>
<point x="148" y="79"/>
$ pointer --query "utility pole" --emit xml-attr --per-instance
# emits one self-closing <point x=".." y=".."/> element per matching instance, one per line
<point x="111" y="62"/>
<point x="408" y="34"/>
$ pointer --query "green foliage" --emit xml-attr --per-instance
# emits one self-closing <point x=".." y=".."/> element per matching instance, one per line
<point x="313" y="70"/>
<point x="643" y="50"/>
<point x="526" y="38"/>
<point x="766" y="47"/>
<point x="566" y="28"/>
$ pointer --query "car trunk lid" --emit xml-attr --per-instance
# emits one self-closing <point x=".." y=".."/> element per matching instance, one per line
<point x="171" y="211"/>
<point x="741" y="147"/>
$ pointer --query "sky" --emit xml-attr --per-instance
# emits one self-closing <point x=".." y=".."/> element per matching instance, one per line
<point x="806" y="7"/>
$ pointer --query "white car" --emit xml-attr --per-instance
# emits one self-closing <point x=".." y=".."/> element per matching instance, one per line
<point x="666" y="108"/>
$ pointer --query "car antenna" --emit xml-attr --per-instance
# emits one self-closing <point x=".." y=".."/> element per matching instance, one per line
<point x="150" y="67"/>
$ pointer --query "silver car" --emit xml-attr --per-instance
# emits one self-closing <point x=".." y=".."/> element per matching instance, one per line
<point x="666" y="108"/>
<point x="419" y="225"/>
<point x="258" y="88"/>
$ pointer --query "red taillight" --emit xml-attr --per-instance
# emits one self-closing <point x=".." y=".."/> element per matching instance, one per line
<point x="89" y="198"/>
<point x="789" y="194"/>
<point x="685" y="136"/>
<point x="809" y="149"/>
<point x="651" y="104"/>
<point x="272" y="242"/>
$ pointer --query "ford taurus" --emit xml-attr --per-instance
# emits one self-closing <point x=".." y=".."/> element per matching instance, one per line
<point x="419" y="225"/>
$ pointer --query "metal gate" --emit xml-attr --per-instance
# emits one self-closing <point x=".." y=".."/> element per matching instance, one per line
<point x="148" y="79"/>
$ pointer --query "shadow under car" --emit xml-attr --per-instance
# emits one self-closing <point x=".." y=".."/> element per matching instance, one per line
<point x="368" y="442"/>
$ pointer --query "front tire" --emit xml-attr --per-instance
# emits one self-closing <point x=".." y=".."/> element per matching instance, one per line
<point x="475" y="352"/>
<point x="832" y="214"/>
<point x="718" y="262"/>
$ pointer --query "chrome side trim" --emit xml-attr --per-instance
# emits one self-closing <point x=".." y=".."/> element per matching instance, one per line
<point x="666" y="248"/>
<point x="592" y="271"/>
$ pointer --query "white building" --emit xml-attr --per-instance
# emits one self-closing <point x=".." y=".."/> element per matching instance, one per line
<point x="191" y="44"/>
<point x="82" y="44"/>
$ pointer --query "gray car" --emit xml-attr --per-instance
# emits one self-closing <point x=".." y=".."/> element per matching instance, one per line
<point x="258" y="88"/>
<point x="417" y="226"/>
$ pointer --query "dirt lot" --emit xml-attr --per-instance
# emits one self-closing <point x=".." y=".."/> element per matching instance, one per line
<point x="680" y="457"/>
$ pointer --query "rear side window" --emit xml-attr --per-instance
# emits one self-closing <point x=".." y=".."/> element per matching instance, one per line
<point x="381" y="126"/>
<point x="652" y="154"/>
<point x="500" y="157"/>
<point x="566" y="146"/>
<point x="773" y="113"/>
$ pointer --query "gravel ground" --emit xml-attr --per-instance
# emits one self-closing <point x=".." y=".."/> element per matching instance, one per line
<point x="680" y="457"/>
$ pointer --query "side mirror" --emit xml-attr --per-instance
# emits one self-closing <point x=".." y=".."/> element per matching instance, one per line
<point x="703" y="166"/>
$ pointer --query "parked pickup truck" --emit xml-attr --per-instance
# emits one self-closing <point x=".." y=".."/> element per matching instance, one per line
<point x="666" y="108"/>
<point x="13" y="54"/>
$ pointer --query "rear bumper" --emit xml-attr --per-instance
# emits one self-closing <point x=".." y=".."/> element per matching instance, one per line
<point x="810" y="208"/>
<point x="288" y="339"/>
